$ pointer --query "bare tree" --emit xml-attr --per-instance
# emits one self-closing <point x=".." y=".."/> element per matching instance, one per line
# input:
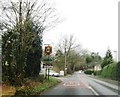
<point x="43" y="15"/>
<point x="67" y="43"/>
<point x="70" y="50"/>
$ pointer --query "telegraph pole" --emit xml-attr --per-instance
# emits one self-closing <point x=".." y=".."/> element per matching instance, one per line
<point x="115" y="52"/>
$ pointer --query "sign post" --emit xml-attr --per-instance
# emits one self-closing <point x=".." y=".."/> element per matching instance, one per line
<point x="47" y="59"/>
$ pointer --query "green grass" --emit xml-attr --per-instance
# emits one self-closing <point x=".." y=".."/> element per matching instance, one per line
<point x="106" y="79"/>
<point x="47" y="84"/>
<point x="39" y="88"/>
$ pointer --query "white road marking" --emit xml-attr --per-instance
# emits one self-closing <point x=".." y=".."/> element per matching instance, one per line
<point x="78" y="84"/>
<point x="71" y="84"/>
<point x="93" y="90"/>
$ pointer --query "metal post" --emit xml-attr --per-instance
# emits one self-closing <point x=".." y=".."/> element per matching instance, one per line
<point x="119" y="31"/>
<point x="48" y="68"/>
<point x="115" y="52"/>
<point x="65" y="65"/>
<point x="48" y="73"/>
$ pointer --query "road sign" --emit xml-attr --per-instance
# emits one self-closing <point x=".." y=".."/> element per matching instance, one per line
<point x="48" y="66"/>
<point x="48" y="59"/>
<point x="48" y="50"/>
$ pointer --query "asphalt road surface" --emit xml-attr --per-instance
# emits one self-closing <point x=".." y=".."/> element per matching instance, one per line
<point x="80" y="84"/>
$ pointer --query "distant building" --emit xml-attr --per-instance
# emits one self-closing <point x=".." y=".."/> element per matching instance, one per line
<point x="97" y="67"/>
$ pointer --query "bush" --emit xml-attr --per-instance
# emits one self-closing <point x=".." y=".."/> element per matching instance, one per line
<point x="34" y="88"/>
<point x="97" y="72"/>
<point x="118" y="71"/>
<point x="110" y="71"/>
<point x="89" y="72"/>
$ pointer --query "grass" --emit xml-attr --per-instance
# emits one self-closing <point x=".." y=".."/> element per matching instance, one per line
<point x="31" y="87"/>
<point x="106" y="79"/>
<point x="41" y="87"/>
<point x="8" y="90"/>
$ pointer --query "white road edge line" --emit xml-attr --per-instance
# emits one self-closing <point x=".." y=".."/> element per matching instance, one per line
<point x="93" y="90"/>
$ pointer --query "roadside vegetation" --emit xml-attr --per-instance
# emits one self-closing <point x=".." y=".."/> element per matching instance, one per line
<point x="69" y="55"/>
<point x="110" y="68"/>
<point x="22" y="25"/>
<point x="31" y="86"/>
<point x="111" y="71"/>
<point x="72" y="56"/>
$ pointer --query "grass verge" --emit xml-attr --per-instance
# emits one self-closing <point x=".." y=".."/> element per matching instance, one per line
<point x="8" y="90"/>
<point x="34" y="88"/>
<point x="109" y="80"/>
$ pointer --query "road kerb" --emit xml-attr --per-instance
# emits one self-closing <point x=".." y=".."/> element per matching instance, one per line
<point x="103" y="84"/>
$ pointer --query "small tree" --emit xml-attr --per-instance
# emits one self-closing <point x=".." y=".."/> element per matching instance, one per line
<point x="59" y="60"/>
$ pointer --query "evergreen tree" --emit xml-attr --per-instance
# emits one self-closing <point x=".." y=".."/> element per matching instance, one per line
<point x="22" y="25"/>
<point x="108" y="59"/>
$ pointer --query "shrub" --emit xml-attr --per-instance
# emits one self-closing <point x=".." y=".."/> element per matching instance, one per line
<point x="118" y="71"/>
<point x="97" y="72"/>
<point x="35" y="88"/>
<point x="110" y="71"/>
<point x="88" y="72"/>
<point x="114" y="72"/>
<point x="105" y="71"/>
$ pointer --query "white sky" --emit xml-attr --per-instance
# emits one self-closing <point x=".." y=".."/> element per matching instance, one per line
<point x="94" y="24"/>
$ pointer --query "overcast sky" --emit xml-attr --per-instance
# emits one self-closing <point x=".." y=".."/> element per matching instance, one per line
<point x="94" y="24"/>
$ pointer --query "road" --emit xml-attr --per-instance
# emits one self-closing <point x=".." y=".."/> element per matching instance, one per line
<point x="81" y="84"/>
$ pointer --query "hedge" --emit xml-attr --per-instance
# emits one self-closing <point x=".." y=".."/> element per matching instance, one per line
<point x="111" y="71"/>
<point x="118" y="71"/>
<point x="97" y="72"/>
<point x="89" y="72"/>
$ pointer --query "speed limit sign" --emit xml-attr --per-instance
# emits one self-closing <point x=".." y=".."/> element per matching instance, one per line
<point x="48" y="50"/>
